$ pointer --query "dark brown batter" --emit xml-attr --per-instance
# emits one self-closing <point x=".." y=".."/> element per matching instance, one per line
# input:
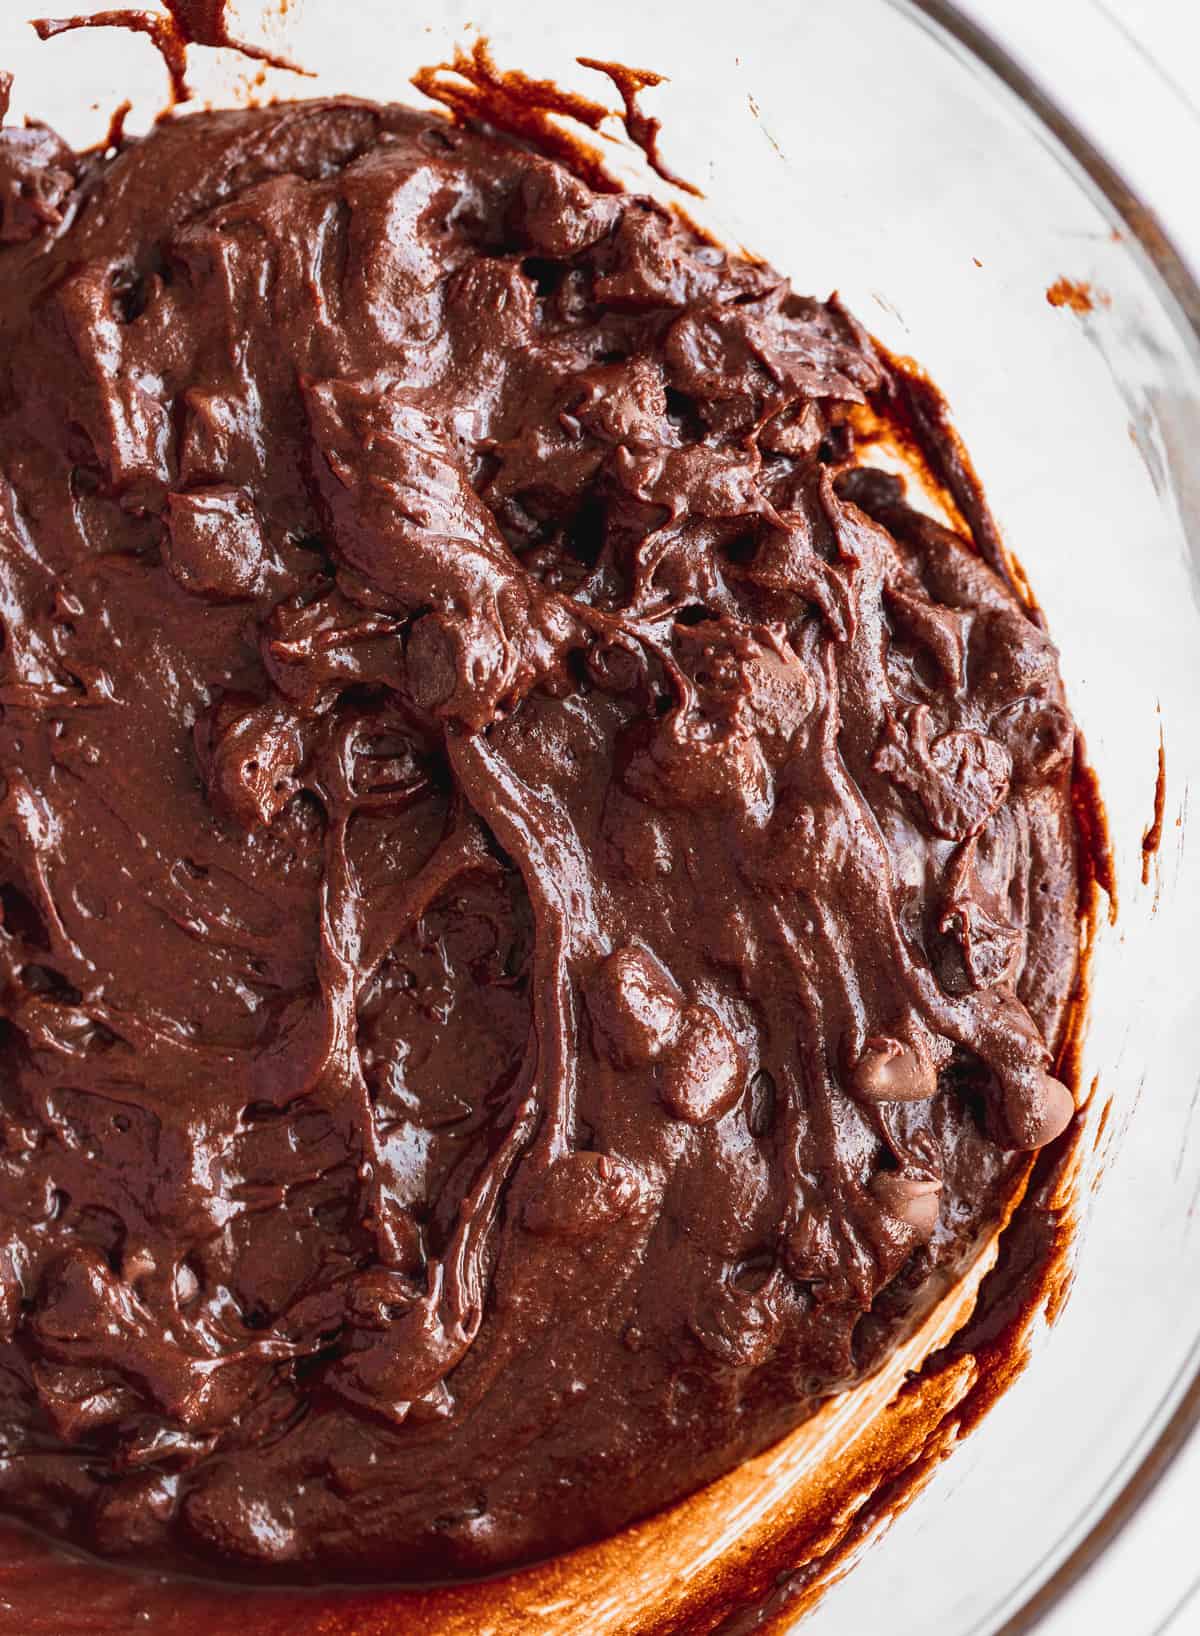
<point x="535" y="892"/>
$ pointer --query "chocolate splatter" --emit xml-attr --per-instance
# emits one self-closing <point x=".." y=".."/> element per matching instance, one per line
<point x="1152" y="836"/>
<point x="643" y="128"/>
<point x="185" y="23"/>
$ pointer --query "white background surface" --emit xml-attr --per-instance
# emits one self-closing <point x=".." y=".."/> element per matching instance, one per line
<point x="1129" y="73"/>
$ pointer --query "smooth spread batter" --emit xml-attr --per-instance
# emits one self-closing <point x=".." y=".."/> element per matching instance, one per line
<point x="536" y="894"/>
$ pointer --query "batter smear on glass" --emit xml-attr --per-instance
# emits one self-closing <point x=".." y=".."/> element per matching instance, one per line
<point x="539" y="896"/>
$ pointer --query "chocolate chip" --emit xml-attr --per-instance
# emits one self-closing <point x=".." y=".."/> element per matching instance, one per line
<point x="913" y="1200"/>
<point x="890" y="1070"/>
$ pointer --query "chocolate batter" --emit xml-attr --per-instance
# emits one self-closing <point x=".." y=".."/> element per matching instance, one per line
<point x="537" y="893"/>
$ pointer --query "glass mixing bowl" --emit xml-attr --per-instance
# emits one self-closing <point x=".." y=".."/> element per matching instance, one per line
<point x="887" y="150"/>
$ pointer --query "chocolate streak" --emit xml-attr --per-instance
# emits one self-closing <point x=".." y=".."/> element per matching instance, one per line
<point x="537" y="894"/>
<point x="182" y="23"/>
<point x="1153" y="833"/>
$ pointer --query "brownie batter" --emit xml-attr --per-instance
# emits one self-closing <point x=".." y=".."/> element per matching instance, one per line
<point x="537" y="892"/>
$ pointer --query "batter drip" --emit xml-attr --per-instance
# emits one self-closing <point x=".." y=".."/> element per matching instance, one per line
<point x="538" y="894"/>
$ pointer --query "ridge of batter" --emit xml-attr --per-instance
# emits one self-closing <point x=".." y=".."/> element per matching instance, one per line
<point x="538" y="893"/>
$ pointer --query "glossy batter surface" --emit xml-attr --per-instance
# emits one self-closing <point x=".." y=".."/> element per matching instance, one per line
<point x="535" y="893"/>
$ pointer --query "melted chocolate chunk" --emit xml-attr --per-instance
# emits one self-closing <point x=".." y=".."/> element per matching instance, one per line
<point x="536" y="895"/>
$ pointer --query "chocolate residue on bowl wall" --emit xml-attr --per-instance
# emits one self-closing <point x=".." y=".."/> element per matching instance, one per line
<point x="914" y="419"/>
<point x="1152" y="838"/>
<point x="186" y="23"/>
<point x="114" y="136"/>
<point x="1091" y="820"/>
<point x="643" y="128"/>
<point x="1075" y="294"/>
<point x="472" y="87"/>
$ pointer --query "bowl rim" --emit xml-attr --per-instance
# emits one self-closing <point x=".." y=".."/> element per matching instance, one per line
<point x="1181" y="302"/>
